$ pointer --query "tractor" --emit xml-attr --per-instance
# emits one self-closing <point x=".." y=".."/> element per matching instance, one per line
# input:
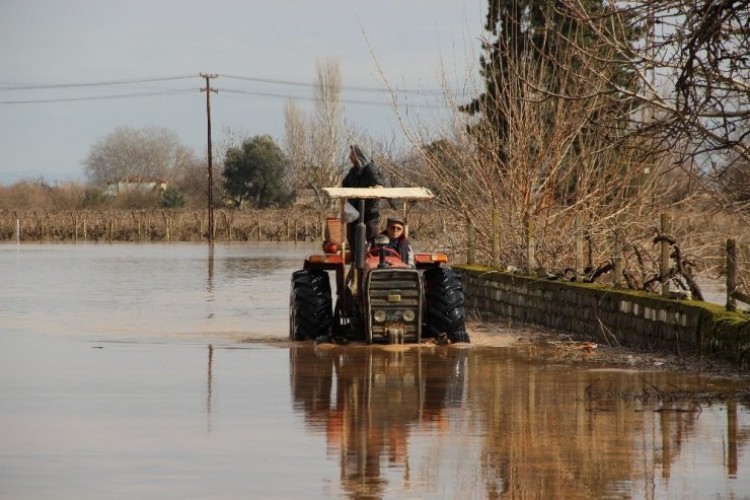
<point x="379" y="298"/>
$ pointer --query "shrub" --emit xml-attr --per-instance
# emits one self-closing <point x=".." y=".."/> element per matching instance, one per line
<point x="173" y="198"/>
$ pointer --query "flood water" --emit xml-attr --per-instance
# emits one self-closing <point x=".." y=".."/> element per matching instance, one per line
<point x="164" y="371"/>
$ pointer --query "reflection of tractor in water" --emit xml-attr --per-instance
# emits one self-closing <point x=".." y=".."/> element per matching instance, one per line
<point x="370" y="401"/>
<point x="379" y="298"/>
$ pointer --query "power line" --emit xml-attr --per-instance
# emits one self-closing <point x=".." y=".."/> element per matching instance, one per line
<point x="40" y="86"/>
<point x="168" y="92"/>
<point x="99" y="98"/>
<point x="187" y="91"/>
<point x="303" y="98"/>
<point x="350" y="88"/>
<point x="346" y="87"/>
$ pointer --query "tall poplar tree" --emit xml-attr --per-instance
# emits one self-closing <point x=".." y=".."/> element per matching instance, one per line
<point x="550" y="38"/>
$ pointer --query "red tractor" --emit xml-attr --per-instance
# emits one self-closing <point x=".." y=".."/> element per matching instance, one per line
<point x="379" y="298"/>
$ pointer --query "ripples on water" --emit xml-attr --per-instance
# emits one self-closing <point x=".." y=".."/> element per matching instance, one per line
<point x="163" y="371"/>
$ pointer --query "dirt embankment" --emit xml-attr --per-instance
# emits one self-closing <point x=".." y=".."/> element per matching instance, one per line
<point x="553" y="346"/>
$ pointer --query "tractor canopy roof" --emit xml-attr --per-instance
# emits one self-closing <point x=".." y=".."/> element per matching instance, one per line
<point x="399" y="193"/>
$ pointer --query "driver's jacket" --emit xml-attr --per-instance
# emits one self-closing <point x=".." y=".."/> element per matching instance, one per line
<point x="402" y="247"/>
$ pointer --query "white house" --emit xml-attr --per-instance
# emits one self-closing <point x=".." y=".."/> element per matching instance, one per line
<point x="136" y="185"/>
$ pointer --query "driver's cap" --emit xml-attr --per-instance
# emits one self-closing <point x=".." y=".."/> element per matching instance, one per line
<point x="395" y="220"/>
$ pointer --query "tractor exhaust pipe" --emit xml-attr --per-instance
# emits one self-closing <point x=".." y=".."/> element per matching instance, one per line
<point x="360" y="236"/>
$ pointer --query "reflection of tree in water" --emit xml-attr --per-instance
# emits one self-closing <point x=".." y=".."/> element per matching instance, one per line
<point x="368" y="398"/>
<point x="547" y="436"/>
<point x="526" y="427"/>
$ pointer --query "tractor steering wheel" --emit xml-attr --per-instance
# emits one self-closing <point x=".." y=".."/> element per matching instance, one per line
<point x="375" y="251"/>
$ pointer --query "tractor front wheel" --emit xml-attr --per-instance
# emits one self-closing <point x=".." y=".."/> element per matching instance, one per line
<point x="310" y="313"/>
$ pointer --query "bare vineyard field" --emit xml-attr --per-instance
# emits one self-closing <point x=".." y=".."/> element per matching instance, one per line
<point x="156" y="225"/>
<point x="431" y="229"/>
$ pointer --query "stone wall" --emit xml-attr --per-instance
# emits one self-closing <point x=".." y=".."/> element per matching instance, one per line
<point x="610" y="316"/>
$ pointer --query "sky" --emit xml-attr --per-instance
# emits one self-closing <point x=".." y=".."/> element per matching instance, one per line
<point x="72" y="71"/>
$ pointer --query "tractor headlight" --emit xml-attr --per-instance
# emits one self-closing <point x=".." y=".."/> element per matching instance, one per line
<point x="379" y="316"/>
<point x="409" y="315"/>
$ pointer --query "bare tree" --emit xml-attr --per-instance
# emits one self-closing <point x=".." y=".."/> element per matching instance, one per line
<point x="313" y="144"/>
<point x="190" y="176"/>
<point x="135" y="154"/>
<point x="297" y="144"/>
<point x="693" y="74"/>
<point x="587" y="145"/>
<point x="329" y="118"/>
<point x="564" y="154"/>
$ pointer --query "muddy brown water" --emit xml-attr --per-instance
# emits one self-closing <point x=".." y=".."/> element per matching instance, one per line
<point x="164" y="371"/>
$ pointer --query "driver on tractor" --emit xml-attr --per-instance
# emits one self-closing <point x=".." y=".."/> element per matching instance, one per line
<point x="397" y="240"/>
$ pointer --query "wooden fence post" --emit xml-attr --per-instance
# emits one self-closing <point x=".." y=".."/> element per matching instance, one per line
<point x="471" y="248"/>
<point x="731" y="274"/>
<point x="664" y="266"/>
<point x="617" y="271"/>
<point x="578" y="235"/>
<point x="531" y="247"/>
<point x="496" y="238"/>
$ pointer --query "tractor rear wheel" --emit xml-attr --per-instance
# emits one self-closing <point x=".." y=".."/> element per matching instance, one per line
<point x="444" y="298"/>
<point x="310" y="313"/>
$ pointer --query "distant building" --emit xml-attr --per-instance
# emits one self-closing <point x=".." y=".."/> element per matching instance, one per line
<point x="136" y="185"/>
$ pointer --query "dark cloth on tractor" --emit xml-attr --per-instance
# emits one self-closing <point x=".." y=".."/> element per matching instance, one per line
<point x="363" y="174"/>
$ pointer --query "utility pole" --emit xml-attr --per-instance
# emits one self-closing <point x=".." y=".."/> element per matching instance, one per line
<point x="208" y="91"/>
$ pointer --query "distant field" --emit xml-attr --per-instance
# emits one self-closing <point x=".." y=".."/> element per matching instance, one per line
<point x="296" y="224"/>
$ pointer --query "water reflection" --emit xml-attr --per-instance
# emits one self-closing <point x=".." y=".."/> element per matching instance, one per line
<point x="177" y="404"/>
<point x="573" y="432"/>
<point x="209" y="385"/>
<point x="366" y="401"/>
<point x="173" y="291"/>
<point x="210" y="278"/>
<point x="523" y="427"/>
